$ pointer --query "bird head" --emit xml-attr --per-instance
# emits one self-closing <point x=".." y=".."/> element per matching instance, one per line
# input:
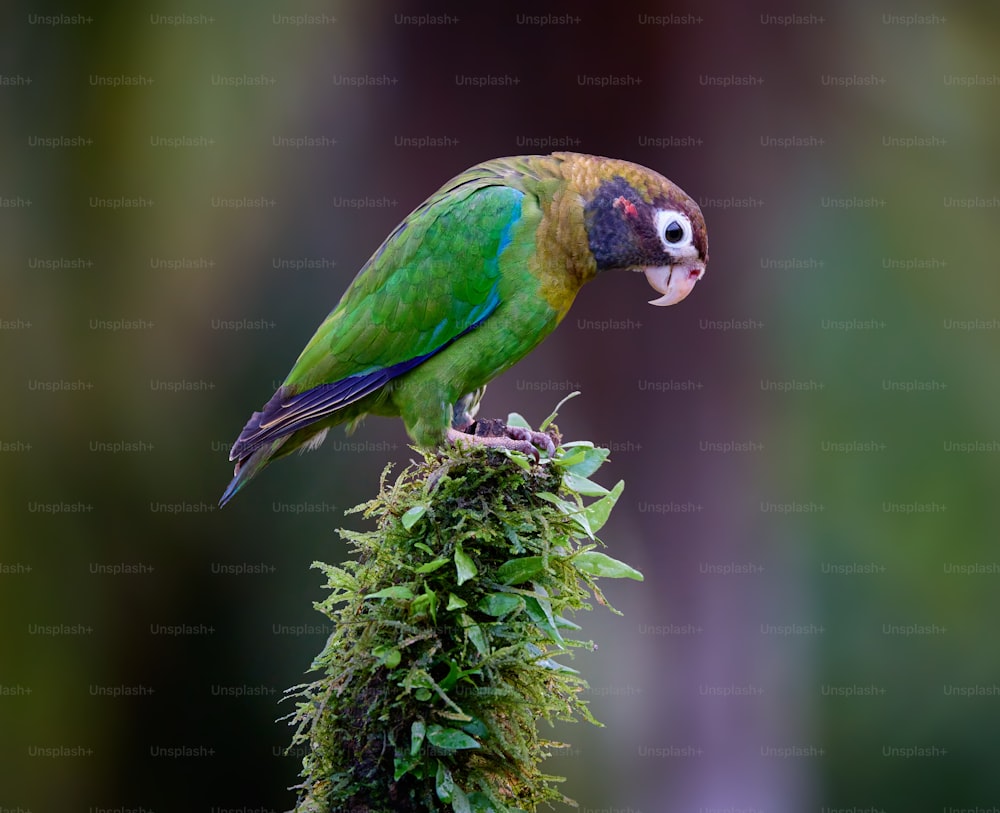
<point x="636" y="219"/>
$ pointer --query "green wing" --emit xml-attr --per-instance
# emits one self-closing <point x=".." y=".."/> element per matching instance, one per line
<point x="434" y="278"/>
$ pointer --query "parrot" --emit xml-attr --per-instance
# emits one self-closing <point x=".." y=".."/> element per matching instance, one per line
<point x="464" y="287"/>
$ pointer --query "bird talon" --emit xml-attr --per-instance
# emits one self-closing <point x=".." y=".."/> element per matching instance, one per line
<point x="495" y="433"/>
<point x="533" y="438"/>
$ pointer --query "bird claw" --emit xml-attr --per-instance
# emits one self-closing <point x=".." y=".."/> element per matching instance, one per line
<point x="533" y="439"/>
<point x="497" y="434"/>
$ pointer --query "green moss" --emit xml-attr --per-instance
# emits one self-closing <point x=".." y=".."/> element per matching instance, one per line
<point x="451" y="635"/>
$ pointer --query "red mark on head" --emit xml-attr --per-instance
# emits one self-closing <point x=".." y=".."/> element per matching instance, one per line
<point x="622" y="202"/>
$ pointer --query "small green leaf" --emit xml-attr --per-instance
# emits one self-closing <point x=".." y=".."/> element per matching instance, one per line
<point x="422" y="694"/>
<point x="456" y="603"/>
<point x="499" y="604"/>
<point x="417" y="732"/>
<point x="540" y="611"/>
<point x="514" y="419"/>
<point x="459" y="801"/>
<point x="581" y="485"/>
<point x="425" y="604"/>
<point x="517" y="458"/>
<point x="548" y="496"/>
<point x="449" y="680"/>
<point x="555" y="666"/>
<point x="552" y="417"/>
<point x="475" y="634"/>
<point x="395" y="591"/>
<point x="584" y="463"/>
<point x="424" y="547"/>
<point x="451" y="739"/>
<point x="574" y="512"/>
<point x="566" y="458"/>
<point x="402" y="765"/>
<point x="565" y="624"/>
<point x="476" y="727"/>
<point x="596" y="563"/>
<point x="597" y="513"/>
<point x="522" y="569"/>
<point x="478" y="638"/>
<point x="388" y="655"/>
<point x="464" y="565"/>
<point x="430" y="567"/>
<point x="444" y="785"/>
<point x="410" y="518"/>
<point x="480" y="803"/>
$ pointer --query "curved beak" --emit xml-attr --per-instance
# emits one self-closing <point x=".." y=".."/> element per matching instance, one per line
<point x="674" y="281"/>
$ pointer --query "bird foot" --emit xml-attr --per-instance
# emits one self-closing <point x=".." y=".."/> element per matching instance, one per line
<point x="494" y="432"/>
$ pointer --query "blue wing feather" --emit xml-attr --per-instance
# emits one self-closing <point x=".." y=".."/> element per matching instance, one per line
<point x="286" y="413"/>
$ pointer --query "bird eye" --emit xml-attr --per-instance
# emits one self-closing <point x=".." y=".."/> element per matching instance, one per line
<point x="674" y="228"/>
<point x="674" y="232"/>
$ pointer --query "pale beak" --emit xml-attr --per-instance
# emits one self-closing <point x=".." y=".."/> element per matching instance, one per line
<point x="674" y="281"/>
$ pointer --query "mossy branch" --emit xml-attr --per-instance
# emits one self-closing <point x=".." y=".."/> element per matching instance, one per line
<point x="450" y="632"/>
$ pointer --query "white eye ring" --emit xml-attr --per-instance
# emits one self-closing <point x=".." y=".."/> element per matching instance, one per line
<point x="668" y="220"/>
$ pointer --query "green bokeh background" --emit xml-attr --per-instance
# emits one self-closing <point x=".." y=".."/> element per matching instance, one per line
<point x="833" y="344"/>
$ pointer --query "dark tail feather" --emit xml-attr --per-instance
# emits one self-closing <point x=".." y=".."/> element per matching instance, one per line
<point x="248" y="467"/>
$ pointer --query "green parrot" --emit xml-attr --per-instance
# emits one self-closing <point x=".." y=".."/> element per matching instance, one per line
<point x="468" y="284"/>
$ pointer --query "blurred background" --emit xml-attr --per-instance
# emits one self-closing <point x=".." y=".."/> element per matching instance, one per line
<point x="809" y="442"/>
